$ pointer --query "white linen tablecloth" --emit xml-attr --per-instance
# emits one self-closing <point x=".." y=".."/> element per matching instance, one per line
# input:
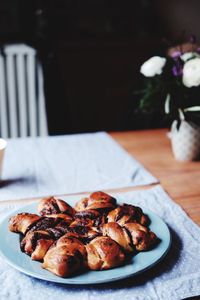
<point x="176" y="277"/>
<point x="35" y="167"/>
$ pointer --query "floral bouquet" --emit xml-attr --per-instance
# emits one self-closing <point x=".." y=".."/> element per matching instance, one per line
<point x="172" y="87"/>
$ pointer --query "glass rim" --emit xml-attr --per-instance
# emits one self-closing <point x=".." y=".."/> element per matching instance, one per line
<point x="3" y="144"/>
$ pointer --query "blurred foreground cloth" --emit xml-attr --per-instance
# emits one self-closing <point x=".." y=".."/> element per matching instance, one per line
<point x="35" y="167"/>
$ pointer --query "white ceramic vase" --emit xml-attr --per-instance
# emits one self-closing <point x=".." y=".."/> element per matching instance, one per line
<point x="185" y="141"/>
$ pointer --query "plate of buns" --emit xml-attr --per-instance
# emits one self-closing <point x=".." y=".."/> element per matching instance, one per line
<point x="98" y="239"/>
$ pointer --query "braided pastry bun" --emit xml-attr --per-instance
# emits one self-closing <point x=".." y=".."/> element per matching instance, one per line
<point x="131" y="236"/>
<point x="127" y="213"/>
<point x="36" y="243"/>
<point x="97" y="200"/>
<point x="42" y="235"/>
<point x="143" y="239"/>
<point x="52" y="205"/>
<point x="39" y="232"/>
<point x="104" y="253"/>
<point x="21" y="222"/>
<point x="97" y="234"/>
<point x="67" y="256"/>
<point x="118" y="234"/>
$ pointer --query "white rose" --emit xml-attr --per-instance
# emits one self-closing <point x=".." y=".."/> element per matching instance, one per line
<point x="153" y="66"/>
<point x="187" y="56"/>
<point x="191" y="72"/>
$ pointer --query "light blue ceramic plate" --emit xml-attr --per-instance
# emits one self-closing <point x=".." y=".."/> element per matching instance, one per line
<point x="10" y="250"/>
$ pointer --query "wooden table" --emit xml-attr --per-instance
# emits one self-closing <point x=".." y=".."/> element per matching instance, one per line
<point x="180" y="179"/>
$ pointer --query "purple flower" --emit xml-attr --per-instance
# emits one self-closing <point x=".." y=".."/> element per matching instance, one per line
<point x="177" y="70"/>
<point x="176" y="54"/>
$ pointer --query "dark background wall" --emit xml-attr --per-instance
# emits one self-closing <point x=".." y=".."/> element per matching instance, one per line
<point x="91" y="51"/>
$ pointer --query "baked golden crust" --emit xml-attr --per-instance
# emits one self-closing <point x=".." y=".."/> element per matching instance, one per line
<point x="53" y="205"/>
<point x="127" y="213"/>
<point x="101" y="196"/>
<point x="82" y="204"/>
<point x="21" y="222"/>
<point x="74" y="244"/>
<point x="101" y="201"/>
<point x="142" y="238"/>
<point x="118" y="234"/>
<point x="36" y="244"/>
<point x="104" y="253"/>
<point x="65" y="257"/>
<point x="97" y="201"/>
<point x="39" y="232"/>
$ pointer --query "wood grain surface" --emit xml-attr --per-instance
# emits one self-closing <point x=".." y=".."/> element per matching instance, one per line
<point x="180" y="179"/>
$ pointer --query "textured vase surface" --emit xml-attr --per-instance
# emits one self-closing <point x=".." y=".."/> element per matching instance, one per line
<point x="185" y="141"/>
